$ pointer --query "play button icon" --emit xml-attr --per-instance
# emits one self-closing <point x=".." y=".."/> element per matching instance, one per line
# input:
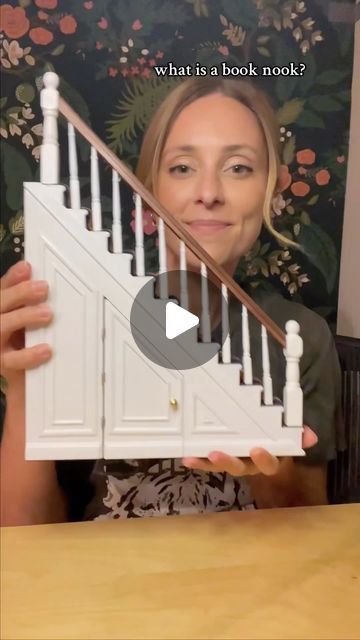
<point x="175" y="332"/>
<point x="178" y="320"/>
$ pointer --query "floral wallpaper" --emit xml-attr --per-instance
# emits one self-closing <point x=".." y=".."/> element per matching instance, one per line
<point x="105" y="52"/>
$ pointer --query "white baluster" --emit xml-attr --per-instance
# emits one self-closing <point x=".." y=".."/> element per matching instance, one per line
<point x="226" y="348"/>
<point x="205" y="315"/>
<point x="184" y="295"/>
<point x="139" y="237"/>
<point x="117" y="245"/>
<point x="293" y="395"/>
<point x="95" y="192"/>
<point x="49" y="151"/>
<point x="164" y="288"/>
<point x="73" y="169"/>
<point x="267" y="380"/>
<point x="247" y="364"/>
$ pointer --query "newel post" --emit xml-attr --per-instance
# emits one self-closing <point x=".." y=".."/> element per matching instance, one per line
<point x="293" y="395"/>
<point x="49" y="151"/>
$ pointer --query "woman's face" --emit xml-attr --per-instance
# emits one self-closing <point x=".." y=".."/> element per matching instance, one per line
<point x="212" y="177"/>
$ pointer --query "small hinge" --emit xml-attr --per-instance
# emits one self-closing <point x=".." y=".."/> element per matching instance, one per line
<point x="103" y="377"/>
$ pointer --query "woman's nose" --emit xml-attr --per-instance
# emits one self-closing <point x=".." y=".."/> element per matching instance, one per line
<point x="209" y="189"/>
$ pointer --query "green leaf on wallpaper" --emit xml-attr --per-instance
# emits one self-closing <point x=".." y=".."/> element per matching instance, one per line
<point x="310" y="119"/>
<point x="332" y="76"/>
<point x="58" y="50"/>
<point x="305" y="218"/>
<point x="320" y="250"/>
<point x="264" y="52"/>
<point x="324" y="103"/>
<point x="16" y="170"/>
<point x="313" y="200"/>
<point x="289" y="150"/>
<point x="285" y="86"/>
<point x="290" y="111"/>
<point x="241" y="13"/>
<point x="3" y="102"/>
<point x="344" y="96"/>
<point x="16" y="224"/>
<point x="140" y="99"/>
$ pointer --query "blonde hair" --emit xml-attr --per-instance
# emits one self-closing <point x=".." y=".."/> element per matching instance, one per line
<point x="187" y="92"/>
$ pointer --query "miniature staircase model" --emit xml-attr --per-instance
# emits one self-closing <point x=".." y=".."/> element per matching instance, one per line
<point x="99" y="396"/>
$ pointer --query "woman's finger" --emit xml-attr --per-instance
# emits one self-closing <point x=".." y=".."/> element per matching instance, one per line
<point x="264" y="461"/>
<point x="17" y="273"/>
<point x="26" y="317"/>
<point x="23" y="294"/>
<point x="309" y="438"/>
<point x="25" y="358"/>
<point x="230" y="464"/>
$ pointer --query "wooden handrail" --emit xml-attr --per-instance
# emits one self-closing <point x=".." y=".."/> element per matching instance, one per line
<point x="170" y="220"/>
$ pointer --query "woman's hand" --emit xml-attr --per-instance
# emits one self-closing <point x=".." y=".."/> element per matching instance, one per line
<point x="260" y="461"/>
<point x="21" y="308"/>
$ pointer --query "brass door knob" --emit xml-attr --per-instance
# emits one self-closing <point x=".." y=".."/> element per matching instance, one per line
<point x="174" y="403"/>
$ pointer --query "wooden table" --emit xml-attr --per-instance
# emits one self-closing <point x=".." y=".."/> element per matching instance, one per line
<point x="281" y="573"/>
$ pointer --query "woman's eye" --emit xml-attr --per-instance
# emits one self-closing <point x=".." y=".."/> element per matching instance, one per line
<point x="239" y="169"/>
<point x="182" y="169"/>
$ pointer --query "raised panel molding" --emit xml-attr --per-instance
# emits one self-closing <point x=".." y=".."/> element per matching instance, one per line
<point x="139" y="418"/>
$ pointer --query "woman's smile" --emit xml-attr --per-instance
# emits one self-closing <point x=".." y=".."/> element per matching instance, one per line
<point x="206" y="227"/>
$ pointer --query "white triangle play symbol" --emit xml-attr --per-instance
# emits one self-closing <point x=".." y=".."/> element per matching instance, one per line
<point x="178" y="320"/>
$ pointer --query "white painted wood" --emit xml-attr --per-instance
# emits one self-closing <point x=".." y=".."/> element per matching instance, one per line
<point x="75" y="202"/>
<point x="139" y="237"/>
<point x="64" y="396"/>
<point x="205" y="314"/>
<point x="95" y="192"/>
<point x="49" y="150"/>
<point x="220" y="417"/>
<point x="267" y="380"/>
<point x="140" y="420"/>
<point x="184" y="294"/>
<point x="117" y="244"/>
<point x="247" y="363"/>
<point x="293" y="395"/>
<point x="164" y="285"/>
<point x="215" y="411"/>
<point x="226" y="347"/>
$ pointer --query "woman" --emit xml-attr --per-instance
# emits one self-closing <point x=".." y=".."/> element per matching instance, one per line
<point x="210" y="156"/>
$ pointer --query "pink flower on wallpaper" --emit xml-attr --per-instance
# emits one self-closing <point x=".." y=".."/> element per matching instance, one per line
<point x="149" y="225"/>
<point x="322" y="177"/>
<point x="136" y="25"/>
<point x="152" y="62"/>
<point x="223" y="49"/>
<point x="305" y="156"/>
<point x="300" y="188"/>
<point x="88" y="5"/>
<point x="159" y="55"/>
<point x="141" y="61"/>
<point x="134" y="71"/>
<point x="146" y="73"/>
<point x="340" y="159"/>
<point x="42" y="15"/>
<point x="41" y="36"/>
<point x="103" y="23"/>
<point x="99" y="46"/>
<point x="285" y="176"/>
<point x="46" y="4"/>
<point x="302" y="171"/>
<point x="13" y="21"/>
<point x="124" y="72"/>
<point x="68" y="25"/>
<point x="112" y="72"/>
